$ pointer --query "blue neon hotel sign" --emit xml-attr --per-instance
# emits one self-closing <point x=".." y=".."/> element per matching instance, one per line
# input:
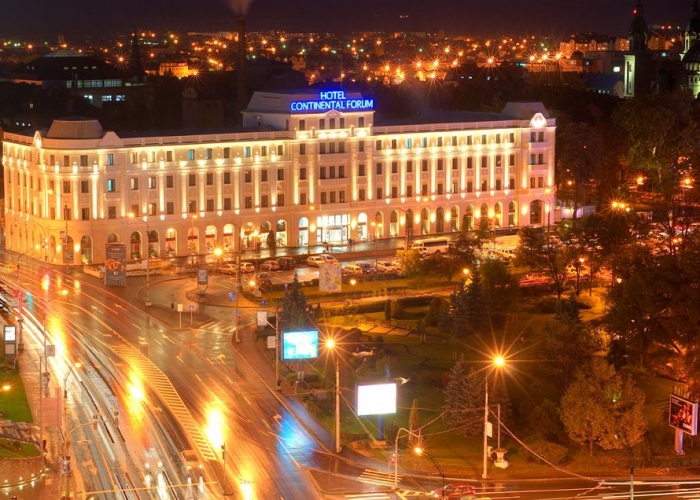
<point x="329" y="100"/>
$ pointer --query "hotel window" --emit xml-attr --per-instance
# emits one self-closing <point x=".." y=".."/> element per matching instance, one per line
<point x="135" y="209"/>
<point x="134" y="158"/>
<point x="322" y="149"/>
<point x="264" y="201"/>
<point x="331" y="147"/>
<point x="302" y="198"/>
<point x="208" y="153"/>
<point x="379" y="193"/>
<point x="169" y="156"/>
<point x="190" y="154"/>
<point x="331" y="172"/>
<point x="66" y="161"/>
<point x="110" y="159"/>
<point x="361" y="195"/>
<point x="169" y="181"/>
<point x="394" y="144"/>
<point x="324" y="198"/>
<point x="302" y="124"/>
<point x="331" y="123"/>
<point x="454" y="140"/>
<point x="84" y="187"/>
<point x="424" y="165"/>
<point x="532" y="183"/>
<point x="498" y="138"/>
<point x="280" y="174"/>
<point x="361" y="146"/>
<point x="532" y="159"/>
<point x="341" y="196"/>
<point x="409" y="167"/>
<point x="484" y="162"/>
<point x="409" y="143"/>
<point x="170" y="208"/>
<point x="361" y="170"/>
<point x="455" y="187"/>
<point x="341" y="171"/>
<point x="470" y="186"/>
<point x="227" y="177"/>
<point x="455" y="163"/>
<point x="498" y="184"/>
<point x="361" y="121"/>
<point x="302" y="149"/>
<point x="394" y="192"/>
<point x="540" y="136"/>
<point x="341" y="147"/>
<point x="342" y="123"/>
<point x="322" y="173"/>
<point x="111" y="186"/>
<point x="227" y="204"/>
<point x="66" y="186"/>
<point x="111" y="212"/>
<point x="263" y="151"/>
<point x="332" y="196"/>
<point x="280" y="200"/>
<point x="511" y="160"/>
<point x="511" y="183"/>
<point x="322" y="124"/>
<point x="469" y="140"/>
<point x="378" y="145"/>
<point x="380" y="169"/>
<point x="440" y="189"/>
<point x="540" y="182"/>
<point x="152" y="209"/>
<point x="484" y="186"/>
<point x="263" y="176"/>
<point x="246" y="152"/>
<point x="441" y="164"/>
<point x="192" y="206"/>
<point x="192" y="180"/>
<point x="394" y="167"/>
<point x="540" y="159"/>
<point x="498" y="160"/>
<point x="248" y="202"/>
<point x="280" y="150"/>
<point x="227" y="152"/>
<point x="134" y="181"/>
<point x="424" y="142"/>
<point x="152" y="183"/>
<point x="511" y="137"/>
<point x="247" y="177"/>
<point x="483" y="139"/>
<point x="210" y="204"/>
<point x="84" y="214"/>
<point x="424" y="190"/>
<point x="302" y="174"/>
<point x="439" y="142"/>
<point x="409" y="191"/>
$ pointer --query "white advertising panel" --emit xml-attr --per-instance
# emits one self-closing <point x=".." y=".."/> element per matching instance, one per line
<point x="376" y="399"/>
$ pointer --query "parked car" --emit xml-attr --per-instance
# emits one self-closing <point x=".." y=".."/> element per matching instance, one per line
<point x="270" y="265"/>
<point x="329" y="258"/>
<point x="351" y="269"/>
<point x="247" y="267"/>
<point x="231" y="269"/>
<point x="455" y="491"/>
<point x="263" y="280"/>
<point x="286" y="262"/>
<point x="386" y="266"/>
<point x="314" y="260"/>
<point x="367" y="268"/>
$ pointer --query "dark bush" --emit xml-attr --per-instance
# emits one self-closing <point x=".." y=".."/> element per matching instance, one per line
<point x="537" y="451"/>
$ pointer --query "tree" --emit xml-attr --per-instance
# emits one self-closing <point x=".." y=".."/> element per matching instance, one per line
<point x="470" y="312"/>
<point x="500" y="286"/>
<point x="463" y="396"/>
<point x="293" y="314"/>
<point x="414" y="423"/>
<point x="272" y="243"/>
<point x="603" y="407"/>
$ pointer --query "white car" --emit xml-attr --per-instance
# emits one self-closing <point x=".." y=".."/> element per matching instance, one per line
<point x="386" y="266"/>
<point x="247" y="267"/>
<point x="231" y="269"/>
<point x="314" y="260"/>
<point x="270" y="265"/>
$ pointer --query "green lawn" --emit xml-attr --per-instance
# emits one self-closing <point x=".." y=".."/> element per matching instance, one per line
<point x="13" y="398"/>
<point x="14" y="449"/>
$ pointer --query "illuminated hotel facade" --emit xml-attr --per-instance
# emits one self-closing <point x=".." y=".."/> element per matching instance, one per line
<point x="306" y="168"/>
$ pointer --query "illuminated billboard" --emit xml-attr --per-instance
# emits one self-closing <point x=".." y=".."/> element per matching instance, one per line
<point x="332" y="100"/>
<point x="683" y="415"/>
<point x="376" y="399"/>
<point x="300" y="345"/>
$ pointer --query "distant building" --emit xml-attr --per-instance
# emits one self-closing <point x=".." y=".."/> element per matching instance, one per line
<point x="310" y="167"/>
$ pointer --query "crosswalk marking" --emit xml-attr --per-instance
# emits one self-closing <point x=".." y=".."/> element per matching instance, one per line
<point x="375" y="477"/>
<point x="369" y="496"/>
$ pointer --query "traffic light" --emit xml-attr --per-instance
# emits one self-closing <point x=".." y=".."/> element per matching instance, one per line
<point x="66" y="464"/>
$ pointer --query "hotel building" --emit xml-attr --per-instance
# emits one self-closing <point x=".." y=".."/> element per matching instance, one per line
<point x="306" y="168"/>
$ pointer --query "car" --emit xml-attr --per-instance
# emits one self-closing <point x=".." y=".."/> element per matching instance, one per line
<point x="247" y="267"/>
<point x="270" y="265"/>
<point x="329" y="258"/>
<point x="367" y="268"/>
<point x="314" y="260"/>
<point x="387" y="266"/>
<point x="455" y="491"/>
<point x="286" y="262"/>
<point x="263" y="280"/>
<point x="351" y="269"/>
<point x="231" y="269"/>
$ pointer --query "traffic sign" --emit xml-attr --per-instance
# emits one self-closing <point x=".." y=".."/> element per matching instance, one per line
<point x="231" y="296"/>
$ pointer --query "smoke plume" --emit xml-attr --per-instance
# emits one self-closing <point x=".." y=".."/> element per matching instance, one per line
<point x="240" y="7"/>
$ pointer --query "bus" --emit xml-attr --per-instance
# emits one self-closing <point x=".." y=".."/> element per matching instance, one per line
<point x="431" y="246"/>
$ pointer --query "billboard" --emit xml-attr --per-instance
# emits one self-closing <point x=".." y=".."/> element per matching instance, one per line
<point x="115" y="264"/>
<point x="683" y="415"/>
<point x="300" y="345"/>
<point x="329" y="277"/>
<point x="376" y="399"/>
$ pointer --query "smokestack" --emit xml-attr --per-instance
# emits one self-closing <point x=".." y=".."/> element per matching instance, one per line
<point x="241" y="71"/>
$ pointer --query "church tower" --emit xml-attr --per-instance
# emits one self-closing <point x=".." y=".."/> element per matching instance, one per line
<point x="692" y="29"/>
<point x="638" y="60"/>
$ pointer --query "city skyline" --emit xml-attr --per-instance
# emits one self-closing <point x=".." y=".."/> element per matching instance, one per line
<point x="42" y="18"/>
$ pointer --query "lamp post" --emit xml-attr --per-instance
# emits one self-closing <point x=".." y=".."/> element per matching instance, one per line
<point x="190" y="240"/>
<point x="498" y="362"/>
<point x="332" y="345"/>
<point x="148" y="258"/>
<point x="396" y="452"/>
<point x="66" y="440"/>
<point x="238" y="280"/>
<point x="421" y="451"/>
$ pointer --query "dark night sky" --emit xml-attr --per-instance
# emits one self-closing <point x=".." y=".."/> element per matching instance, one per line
<point x="559" y="18"/>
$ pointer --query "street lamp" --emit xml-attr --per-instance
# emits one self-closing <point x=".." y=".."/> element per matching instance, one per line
<point x="396" y="452"/>
<point x="332" y="345"/>
<point x="238" y="280"/>
<point x="148" y="258"/>
<point x="421" y="451"/>
<point x="66" y="441"/>
<point x="497" y="362"/>
<point x="190" y="240"/>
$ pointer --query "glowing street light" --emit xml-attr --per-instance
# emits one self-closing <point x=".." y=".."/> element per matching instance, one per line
<point x="497" y="362"/>
<point x="332" y="345"/>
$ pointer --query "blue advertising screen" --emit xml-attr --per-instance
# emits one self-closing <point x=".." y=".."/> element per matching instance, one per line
<point x="300" y="345"/>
